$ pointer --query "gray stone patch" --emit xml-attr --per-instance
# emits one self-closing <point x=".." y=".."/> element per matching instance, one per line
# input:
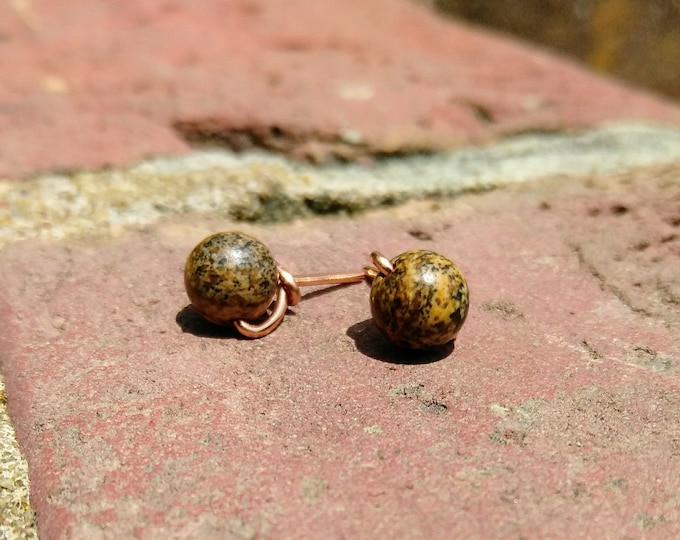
<point x="258" y="186"/>
<point x="18" y="519"/>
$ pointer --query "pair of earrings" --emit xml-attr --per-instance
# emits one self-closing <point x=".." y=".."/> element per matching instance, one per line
<point x="418" y="299"/>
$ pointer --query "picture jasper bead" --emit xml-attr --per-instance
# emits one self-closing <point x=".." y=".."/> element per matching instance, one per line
<point x="230" y="276"/>
<point x="422" y="303"/>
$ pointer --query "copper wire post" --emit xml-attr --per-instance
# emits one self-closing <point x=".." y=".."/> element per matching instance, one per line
<point x="330" y="279"/>
<point x="382" y="265"/>
<point x="289" y="293"/>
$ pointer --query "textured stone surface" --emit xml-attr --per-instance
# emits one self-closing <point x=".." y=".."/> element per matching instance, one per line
<point x="303" y="77"/>
<point x="634" y="39"/>
<point x="265" y="187"/>
<point x="555" y="415"/>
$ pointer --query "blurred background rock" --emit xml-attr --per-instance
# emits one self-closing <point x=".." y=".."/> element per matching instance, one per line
<point x="636" y="40"/>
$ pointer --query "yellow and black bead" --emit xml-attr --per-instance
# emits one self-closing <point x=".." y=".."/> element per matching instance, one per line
<point x="230" y="276"/>
<point x="422" y="302"/>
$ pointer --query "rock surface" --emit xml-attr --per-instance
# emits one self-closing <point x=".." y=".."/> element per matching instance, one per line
<point x="554" y="414"/>
<point x="301" y="77"/>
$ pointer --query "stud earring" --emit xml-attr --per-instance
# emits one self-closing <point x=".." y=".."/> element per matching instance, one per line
<point x="232" y="278"/>
<point x="419" y="299"/>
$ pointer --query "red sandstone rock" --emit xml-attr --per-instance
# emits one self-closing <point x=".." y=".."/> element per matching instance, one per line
<point x="555" y="416"/>
<point x="91" y="84"/>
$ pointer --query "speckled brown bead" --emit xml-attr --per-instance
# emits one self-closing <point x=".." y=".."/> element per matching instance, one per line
<point x="422" y="303"/>
<point x="230" y="276"/>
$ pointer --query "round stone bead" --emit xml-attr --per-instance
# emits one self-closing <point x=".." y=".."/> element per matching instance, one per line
<point x="230" y="276"/>
<point x="422" y="303"/>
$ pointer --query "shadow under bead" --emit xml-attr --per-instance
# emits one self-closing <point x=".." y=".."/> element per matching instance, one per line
<point x="231" y="276"/>
<point x="422" y="302"/>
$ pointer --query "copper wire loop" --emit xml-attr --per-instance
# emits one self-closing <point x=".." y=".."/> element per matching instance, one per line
<point x="383" y="263"/>
<point x="288" y="293"/>
<point x="252" y="330"/>
<point x="371" y="273"/>
<point x="290" y="284"/>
